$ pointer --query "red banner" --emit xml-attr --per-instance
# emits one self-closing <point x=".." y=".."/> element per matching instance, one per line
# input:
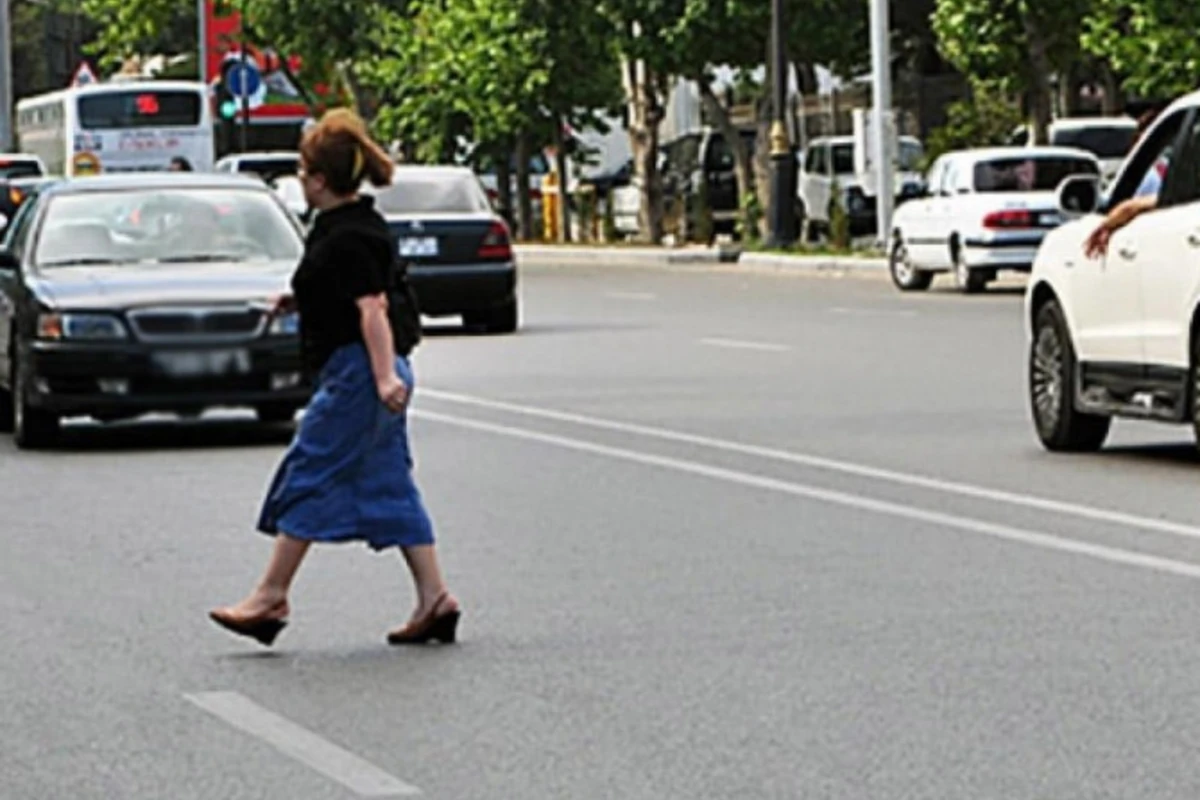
<point x="273" y="81"/>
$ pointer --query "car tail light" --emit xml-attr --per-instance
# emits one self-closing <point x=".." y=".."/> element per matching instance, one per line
<point x="1012" y="218"/>
<point x="15" y="196"/>
<point x="496" y="245"/>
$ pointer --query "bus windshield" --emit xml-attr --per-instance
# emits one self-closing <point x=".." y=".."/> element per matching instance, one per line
<point x="139" y="108"/>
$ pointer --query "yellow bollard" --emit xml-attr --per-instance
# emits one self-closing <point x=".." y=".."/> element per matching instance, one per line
<point x="550" y="200"/>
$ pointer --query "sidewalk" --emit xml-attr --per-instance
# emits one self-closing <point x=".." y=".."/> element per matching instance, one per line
<point x="581" y="255"/>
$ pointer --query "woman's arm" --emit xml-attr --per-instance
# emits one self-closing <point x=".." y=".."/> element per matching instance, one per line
<point x="377" y="333"/>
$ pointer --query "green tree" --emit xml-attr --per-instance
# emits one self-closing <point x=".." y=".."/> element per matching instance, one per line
<point x="1014" y="44"/>
<point x="131" y="27"/>
<point x="1152" y="43"/>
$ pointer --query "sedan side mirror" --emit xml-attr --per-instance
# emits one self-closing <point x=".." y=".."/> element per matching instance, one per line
<point x="1078" y="195"/>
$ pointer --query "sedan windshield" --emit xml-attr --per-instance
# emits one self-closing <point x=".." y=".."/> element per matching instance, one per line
<point x="1028" y="174"/>
<point x="432" y="194"/>
<point x="166" y="226"/>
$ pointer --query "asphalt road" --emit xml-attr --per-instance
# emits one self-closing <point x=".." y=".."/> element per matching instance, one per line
<point x="717" y="535"/>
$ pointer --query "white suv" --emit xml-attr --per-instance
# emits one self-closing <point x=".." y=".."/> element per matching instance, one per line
<point x="1119" y="335"/>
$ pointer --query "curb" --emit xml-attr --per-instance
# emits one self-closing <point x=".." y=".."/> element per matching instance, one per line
<point x="616" y="256"/>
<point x="813" y="263"/>
<point x="661" y="257"/>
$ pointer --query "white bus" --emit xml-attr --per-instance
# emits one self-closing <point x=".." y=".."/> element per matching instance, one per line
<point x="127" y="126"/>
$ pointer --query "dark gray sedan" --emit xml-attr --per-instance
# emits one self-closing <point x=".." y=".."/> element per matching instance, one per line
<point x="458" y="249"/>
<point x="122" y="295"/>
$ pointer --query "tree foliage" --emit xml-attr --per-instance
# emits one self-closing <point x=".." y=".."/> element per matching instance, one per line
<point x="455" y="68"/>
<point x="129" y="27"/>
<point x="1151" y="43"/>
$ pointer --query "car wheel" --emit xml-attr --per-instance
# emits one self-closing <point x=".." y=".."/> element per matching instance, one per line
<point x="906" y="277"/>
<point x="498" y="320"/>
<point x="6" y="411"/>
<point x="275" y="413"/>
<point x="969" y="281"/>
<point x="33" y="428"/>
<point x="1060" y="426"/>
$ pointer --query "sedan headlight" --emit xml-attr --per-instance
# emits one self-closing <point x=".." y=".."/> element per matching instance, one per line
<point x="81" y="327"/>
<point x="285" y="325"/>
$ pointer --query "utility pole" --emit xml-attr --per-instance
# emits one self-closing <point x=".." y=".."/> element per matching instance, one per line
<point x="245" y="87"/>
<point x="881" y="83"/>
<point x="782" y="224"/>
<point x="6" y="70"/>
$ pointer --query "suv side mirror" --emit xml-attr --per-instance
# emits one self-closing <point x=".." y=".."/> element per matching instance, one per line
<point x="1078" y="195"/>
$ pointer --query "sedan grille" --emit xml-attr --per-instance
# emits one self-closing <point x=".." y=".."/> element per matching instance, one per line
<point x="191" y="324"/>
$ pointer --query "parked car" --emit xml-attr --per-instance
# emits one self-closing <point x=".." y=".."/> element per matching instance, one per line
<point x="1119" y="335"/>
<point x="21" y="165"/>
<point x="1107" y="138"/>
<point x="831" y="159"/>
<point x="985" y="211"/>
<point x="268" y="165"/>
<point x="458" y="249"/>
<point x="125" y="294"/>
<point x="14" y="192"/>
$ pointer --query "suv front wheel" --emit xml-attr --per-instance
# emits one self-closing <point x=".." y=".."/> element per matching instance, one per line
<point x="1060" y="426"/>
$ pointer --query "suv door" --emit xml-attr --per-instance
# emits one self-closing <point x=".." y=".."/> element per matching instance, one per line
<point x="1169" y="261"/>
<point x="1107" y="300"/>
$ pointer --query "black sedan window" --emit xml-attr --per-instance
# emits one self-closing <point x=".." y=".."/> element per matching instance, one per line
<point x="165" y="226"/>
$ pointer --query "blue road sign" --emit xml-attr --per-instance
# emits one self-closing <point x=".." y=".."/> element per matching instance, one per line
<point x="249" y="76"/>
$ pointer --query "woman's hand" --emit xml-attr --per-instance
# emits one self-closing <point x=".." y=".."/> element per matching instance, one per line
<point x="283" y="304"/>
<point x="393" y="393"/>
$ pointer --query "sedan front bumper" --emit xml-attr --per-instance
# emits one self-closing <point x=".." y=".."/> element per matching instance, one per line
<point x="120" y="379"/>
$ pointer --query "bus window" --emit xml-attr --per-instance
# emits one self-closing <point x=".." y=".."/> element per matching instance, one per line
<point x="139" y="109"/>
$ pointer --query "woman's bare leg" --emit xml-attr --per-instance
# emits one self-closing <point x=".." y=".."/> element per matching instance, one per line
<point x="270" y="596"/>
<point x="428" y="581"/>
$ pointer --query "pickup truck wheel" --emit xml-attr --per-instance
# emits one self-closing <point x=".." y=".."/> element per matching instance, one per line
<point x="906" y="277"/>
<point x="1060" y="426"/>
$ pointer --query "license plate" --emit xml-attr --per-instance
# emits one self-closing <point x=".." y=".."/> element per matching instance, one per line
<point x="1050" y="219"/>
<point x="203" y="363"/>
<point x="418" y="246"/>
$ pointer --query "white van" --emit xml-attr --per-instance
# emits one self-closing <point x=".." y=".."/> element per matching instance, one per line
<point x="1107" y="138"/>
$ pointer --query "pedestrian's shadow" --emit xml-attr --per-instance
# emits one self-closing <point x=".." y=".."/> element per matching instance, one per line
<point x="171" y="435"/>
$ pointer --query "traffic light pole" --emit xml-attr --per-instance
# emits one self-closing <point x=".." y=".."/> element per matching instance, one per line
<point x="6" y="61"/>
<point x="782" y="222"/>
<point x="245" y="87"/>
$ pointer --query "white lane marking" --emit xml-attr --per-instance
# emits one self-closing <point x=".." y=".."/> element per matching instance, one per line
<point x="873" y="312"/>
<point x="832" y="465"/>
<point x="739" y="344"/>
<point x="643" y="296"/>
<point x="1046" y="541"/>
<point x="301" y="744"/>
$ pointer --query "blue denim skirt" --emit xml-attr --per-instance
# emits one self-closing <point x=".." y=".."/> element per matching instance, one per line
<point x="347" y="475"/>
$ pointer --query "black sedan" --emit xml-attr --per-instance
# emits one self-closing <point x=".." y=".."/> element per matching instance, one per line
<point x="457" y="248"/>
<point x="123" y="295"/>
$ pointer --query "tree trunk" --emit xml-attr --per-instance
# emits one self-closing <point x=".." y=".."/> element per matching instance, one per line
<point x="504" y="173"/>
<point x="1040" y="101"/>
<point x="762" y="165"/>
<point x="643" y="135"/>
<point x="1114" y="101"/>
<point x="564" y="196"/>
<point x="357" y="96"/>
<point x="524" y="201"/>
<point x="742" y="165"/>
